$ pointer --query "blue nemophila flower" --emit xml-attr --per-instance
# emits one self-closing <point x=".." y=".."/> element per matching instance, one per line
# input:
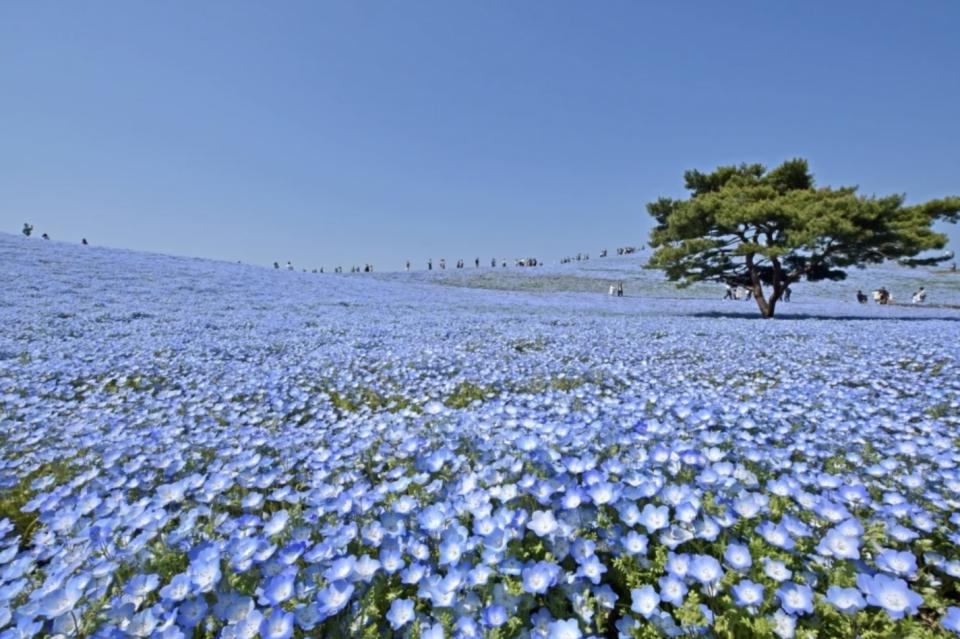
<point x="893" y="595"/>
<point x="333" y="598"/>
<point x="592" y="569"/>
<point x="738" y="557"/>
<point x="540" y="577"/>
<point x="365" y="568"/>
<point x="776" y="569"/>
<point x="603" y="492"/>
<point x="543" y="523"/>
<point x="776" y="535"/>
<point x="63" y="599"/>
<point x="432" y="518"/>
<point x="450" y="550"/>
<point x="191" y="612"/>
<point x="606" y="597"/>
<point x="277" y="523"/>
<point x="784" y="625"/>
<point x="340" y="569"/>
<point x="249" y="626"/>
<point x="644" y="601"/>
<point x="903" y="564"/>
<point x="413" y="573"/>
<point x="204" y="571"/>
<point x="840" y="545"/>
<point x="401" y="613"/>
<point x="796" y="599"/>
<point x="434" y="631"/>
<point x="279" y="625"/>
<point x="653" y="518"/>
<point x="707" y="571"/>
<point x="279" y="588"/>
<point x="846" y="600"/>
<point x="289" y="554"/>
<point x="140" y="586"/>
<point x="563" y="629"/>
<point x="634" y="543"/>
<point x="672" y="590"/>
<point x="391" y="559"/>
<point x="466" y="627"/>
<point x="495" y="616"/>
<point x="747" y="594"/>
<point x="178" y="589"/>
<point x="951" y="620"/>
<point x="583" y="549"/>
<point x="678" y="565"/>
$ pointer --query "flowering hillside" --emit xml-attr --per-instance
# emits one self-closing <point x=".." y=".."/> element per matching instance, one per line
<point x="204" y="449"/>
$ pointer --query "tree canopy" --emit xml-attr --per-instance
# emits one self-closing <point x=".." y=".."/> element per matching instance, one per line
<point x="745" y="225"/>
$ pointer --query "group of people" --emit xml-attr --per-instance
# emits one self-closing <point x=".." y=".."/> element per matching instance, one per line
<point x="28" y="231"/>
<point x="883" y="296"/>
<point x="616" y="289"/>
<point x="737" y="292"/>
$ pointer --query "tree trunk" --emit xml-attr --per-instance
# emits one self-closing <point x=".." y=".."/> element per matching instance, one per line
<point x="766" y="306"/>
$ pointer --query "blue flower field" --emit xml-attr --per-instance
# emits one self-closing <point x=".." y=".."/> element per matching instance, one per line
<point x="194" y="448"/>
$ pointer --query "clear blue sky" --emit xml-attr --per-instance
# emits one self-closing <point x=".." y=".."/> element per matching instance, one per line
<point x="349" y="132"/>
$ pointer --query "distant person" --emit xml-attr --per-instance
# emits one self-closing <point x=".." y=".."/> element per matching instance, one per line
<point x="920" y="296"/>
<point x="882" y="295"/>
<point x="84" y="241"/>
<point x="953" y="267"/>
<point x="408" y="265"/>
<point x="476" y="263"/>
<point x="861" y="297"/>
<point x="787" y="293"/>
<point x="289" y="265"/>
<point x="729" y="294"/>
<point x="430" y="264"/>
<point x="443" y="263"/>
<point x="45" y="236"/>
<point x="27" y="229"/>
<point x="613" y="290"/>
<point x="619" y="289"/>
<point x="493" y="262"/>
<point x="276" y="265"/>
